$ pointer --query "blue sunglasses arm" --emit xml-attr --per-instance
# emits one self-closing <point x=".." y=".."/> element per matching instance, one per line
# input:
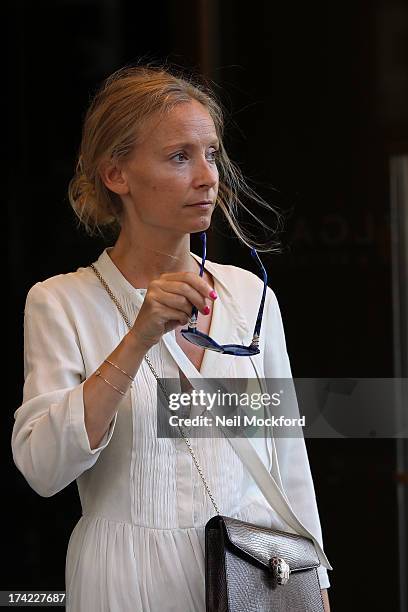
<point x="257" y="329"/>
<point x="192" y="324"/>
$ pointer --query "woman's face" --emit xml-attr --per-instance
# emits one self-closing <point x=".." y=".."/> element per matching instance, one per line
<point x="172" y="167"/>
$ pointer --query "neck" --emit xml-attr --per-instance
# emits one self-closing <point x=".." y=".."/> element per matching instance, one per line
<point x="144" y="258"/>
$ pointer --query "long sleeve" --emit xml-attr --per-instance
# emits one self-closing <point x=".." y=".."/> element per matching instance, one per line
<point x="293" y="461"/>
<point x="49" y="441"/>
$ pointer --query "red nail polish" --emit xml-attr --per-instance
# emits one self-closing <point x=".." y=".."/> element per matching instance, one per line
<point x="213" y="295"/>
<point x="207" y="310"/>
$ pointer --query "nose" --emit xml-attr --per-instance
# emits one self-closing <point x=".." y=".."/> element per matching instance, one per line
<point x="205" y="173"/>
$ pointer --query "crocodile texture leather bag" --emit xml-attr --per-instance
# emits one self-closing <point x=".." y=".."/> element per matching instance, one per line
<point x="256" y="569"/>
<point x="250" y="568"/>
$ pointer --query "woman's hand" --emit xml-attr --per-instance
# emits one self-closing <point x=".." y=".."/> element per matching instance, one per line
<point x="168" y="303"/>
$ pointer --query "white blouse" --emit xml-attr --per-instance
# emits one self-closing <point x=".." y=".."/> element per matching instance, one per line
<point x="139" y="544"/>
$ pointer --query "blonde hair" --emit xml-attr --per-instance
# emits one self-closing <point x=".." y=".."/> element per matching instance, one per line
<point x="124" y="101"/>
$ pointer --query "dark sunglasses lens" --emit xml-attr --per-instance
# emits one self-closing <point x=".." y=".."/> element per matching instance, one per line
<point x="242" y="351"/>
<point x="198" y="340"/>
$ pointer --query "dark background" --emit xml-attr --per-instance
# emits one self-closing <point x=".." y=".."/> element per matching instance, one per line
<point x="317" y="95"/>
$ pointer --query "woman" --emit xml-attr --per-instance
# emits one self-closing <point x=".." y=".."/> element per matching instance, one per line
<point x="152" y="166"/>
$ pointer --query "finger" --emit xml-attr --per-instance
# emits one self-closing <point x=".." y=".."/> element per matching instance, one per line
<point x="170" y="315"/>
<point x="192" y="279"/>
<point x="183" y="289"/>
<point x="179" y="301"/>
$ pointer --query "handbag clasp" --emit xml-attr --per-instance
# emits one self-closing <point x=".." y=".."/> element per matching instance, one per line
<point x="280" y="570"/>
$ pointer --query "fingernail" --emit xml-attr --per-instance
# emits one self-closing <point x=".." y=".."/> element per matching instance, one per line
<point x="206" y="310"/>
<point x="213" y="295"/>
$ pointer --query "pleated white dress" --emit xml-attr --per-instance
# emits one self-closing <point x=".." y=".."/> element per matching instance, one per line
<point x="139" y="544"/>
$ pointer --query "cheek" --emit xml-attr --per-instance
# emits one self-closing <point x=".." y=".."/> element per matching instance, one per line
<point x="170" y="183"/>
<point x="162" y="183"/>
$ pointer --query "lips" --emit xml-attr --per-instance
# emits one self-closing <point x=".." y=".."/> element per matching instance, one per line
<point x="203" y="204"/>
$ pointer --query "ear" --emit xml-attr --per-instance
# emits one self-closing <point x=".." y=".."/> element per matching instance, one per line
<point x="113" y="177"/>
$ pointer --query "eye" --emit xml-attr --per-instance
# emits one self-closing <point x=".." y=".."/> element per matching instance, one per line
<point x="214" y="154"/>
<point x="181" y="156"/>
<point x="178" y="155"/>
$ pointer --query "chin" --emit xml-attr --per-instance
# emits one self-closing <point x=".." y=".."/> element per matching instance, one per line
<point x="201" y="224"/>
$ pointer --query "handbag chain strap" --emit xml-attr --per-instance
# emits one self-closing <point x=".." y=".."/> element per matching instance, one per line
<point x="149" y="363"/>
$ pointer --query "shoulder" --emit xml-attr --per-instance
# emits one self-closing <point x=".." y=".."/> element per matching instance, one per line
<point x="242" y="282"/>
<point x="68" y="290"/>
<point x="235" y="276"/>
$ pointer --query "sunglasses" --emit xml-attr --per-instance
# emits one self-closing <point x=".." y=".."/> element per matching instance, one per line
<point x="196" y="337"/>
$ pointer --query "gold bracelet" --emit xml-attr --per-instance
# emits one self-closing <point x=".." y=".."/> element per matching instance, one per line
<point x="118" y="368"/>
<point x="98" y="373"/>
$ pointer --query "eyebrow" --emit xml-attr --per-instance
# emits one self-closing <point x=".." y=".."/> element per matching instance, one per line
<point x="188" y="145"/>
